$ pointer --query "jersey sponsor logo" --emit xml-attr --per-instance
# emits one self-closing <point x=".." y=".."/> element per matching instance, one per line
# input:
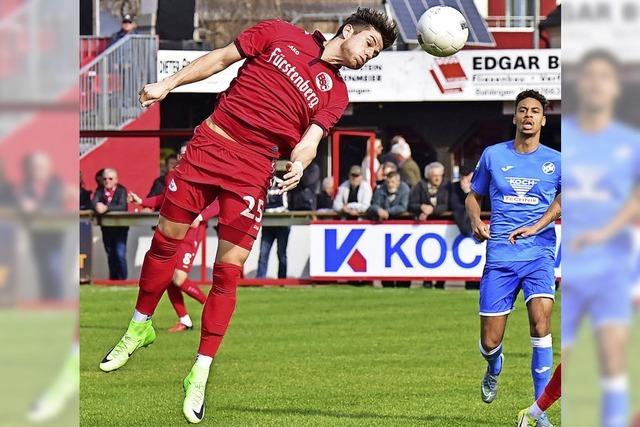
<point x="324" y="82"/>
<point x="548" y="168"/>
<point x="507" y="168"/>
<point x="521" y="186"/>
<point x="279" y="60"/>
<point x="172" y="186"/>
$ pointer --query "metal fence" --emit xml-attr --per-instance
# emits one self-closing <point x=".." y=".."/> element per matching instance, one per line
<point x="109" y="85"/>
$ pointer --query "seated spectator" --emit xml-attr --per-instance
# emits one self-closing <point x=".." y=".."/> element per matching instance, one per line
<point x="325" y="197"/>
<point x="390" y="157"/>
<point x="276" y="202"/>
<point x="408" y="168"/>
<point x="391" y="199"/>
<point x="112" y="197"/>
<point x="354" y="195"/>
<point x="385" y="169"/>
<point x="160" y="183"/>
<point x="458" y="192"/>
<point x="430" y="196"/>
<point x="303" y="197"/>
<point x="366" y="171"/>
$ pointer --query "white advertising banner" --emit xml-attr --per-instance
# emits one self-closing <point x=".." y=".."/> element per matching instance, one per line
<point x="414" y="76"/>
<point x="398" y="250"/>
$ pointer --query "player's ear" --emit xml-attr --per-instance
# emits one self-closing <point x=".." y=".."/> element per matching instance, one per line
<point x="544" y="120"/>
<point x="514" y="119"/>
<point x="347" y="31"/>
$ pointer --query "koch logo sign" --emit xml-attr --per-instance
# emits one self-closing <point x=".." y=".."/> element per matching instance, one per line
<point x="335" y="254"/>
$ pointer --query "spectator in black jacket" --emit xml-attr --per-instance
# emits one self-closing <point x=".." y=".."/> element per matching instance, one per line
<point x="112" y="197"/>
<point x="159" y="184"/>
<point x="85" y="196"/>
<point x="458" y="192"/>
<point x="390" y="200"/>
<point x="303" y="197"/>
<point x="430" y="196"/>
<point x="325" y="197"/>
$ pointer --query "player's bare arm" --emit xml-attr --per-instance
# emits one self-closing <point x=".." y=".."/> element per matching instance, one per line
<point x="473" y="204"/>
<point x="301" y="156"/>
<point x="629" y="212"/>
<point x="553" y="213"/>
<point x="207" y="65"/>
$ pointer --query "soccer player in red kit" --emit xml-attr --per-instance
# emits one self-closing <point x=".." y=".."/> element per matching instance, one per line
<point x="286" y="97"/>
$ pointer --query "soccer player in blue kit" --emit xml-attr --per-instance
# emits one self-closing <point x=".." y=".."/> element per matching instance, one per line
<point x="601" y="202"/>
<point x="522" y="179"/>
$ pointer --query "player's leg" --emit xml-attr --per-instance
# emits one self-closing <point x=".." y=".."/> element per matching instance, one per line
<point x="613" y="340"/>
<point x="177" y="302"/>
<point x="157" y="267"/>
<point x="498" y="289"/>
<point x="238" y="225"/>
<point x="552" y="392"/>
<point x="540" y="310"/>
<point x="181" y="275"/>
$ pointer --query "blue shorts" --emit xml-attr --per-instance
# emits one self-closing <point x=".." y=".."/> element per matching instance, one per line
<point x="605" y="299"/>
<point x="501" y="282"/>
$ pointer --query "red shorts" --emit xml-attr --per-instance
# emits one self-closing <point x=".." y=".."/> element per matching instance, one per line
<point x="215" y="167"/>
<point x="189" y="248"/>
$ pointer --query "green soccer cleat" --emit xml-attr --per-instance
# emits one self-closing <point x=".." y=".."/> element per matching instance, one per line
<point x="543" y="421"/>
<point x="194" y="386"/>
<point x="489" y="386"/>
<point x="526" y="420"/>
<point x="139" y="334"/>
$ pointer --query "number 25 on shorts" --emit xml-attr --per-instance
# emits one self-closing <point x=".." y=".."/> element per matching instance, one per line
<point x="251" y="201"/>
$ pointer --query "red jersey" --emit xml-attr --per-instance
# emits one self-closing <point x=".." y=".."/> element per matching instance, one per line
<point x="281" y="89"/>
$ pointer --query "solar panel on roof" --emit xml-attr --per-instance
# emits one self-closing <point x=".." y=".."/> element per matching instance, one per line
<point x="408" y="12"/>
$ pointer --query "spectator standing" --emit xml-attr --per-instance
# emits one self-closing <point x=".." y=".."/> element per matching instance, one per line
<point x="127" y="26"/>
<point x="408" y="168"/>
<point x="325" y="197"/>
<point x="366" y="171"/>
<point x="276" y="202"/>
<point x="354" y="195"/>
<point x="112" y="197"/>
<point x="391" y="199"/>
<point x="85" y="195"/>
<point x="389" y="156"/>
<point x="160" y="183"/>
<point x="430" y="196"/>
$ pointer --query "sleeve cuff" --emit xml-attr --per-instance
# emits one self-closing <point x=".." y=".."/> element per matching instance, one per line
<point x="237" y="43"/>
<point x="325" y="131"/>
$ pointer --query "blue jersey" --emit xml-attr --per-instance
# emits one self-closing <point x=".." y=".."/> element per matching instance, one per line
<point x="521" y="187"/>
<point x="602" y="170"/>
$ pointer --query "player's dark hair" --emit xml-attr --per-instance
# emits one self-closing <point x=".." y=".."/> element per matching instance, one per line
<point x="530" y="93"/>
<point x="599" y="55"/>
<point x="366" y="17"/>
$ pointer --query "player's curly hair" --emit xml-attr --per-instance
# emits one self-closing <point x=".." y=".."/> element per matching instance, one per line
<point x="530" y="93"/>
<point x="366" y="17"/>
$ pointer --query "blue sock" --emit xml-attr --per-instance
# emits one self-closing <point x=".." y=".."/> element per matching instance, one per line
<point x="615" y="402"/>
<point x="541" y="363"/>
<point x="493" y="358"/>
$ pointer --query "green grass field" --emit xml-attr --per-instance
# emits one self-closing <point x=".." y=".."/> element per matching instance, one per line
<point x="323" y="356"/>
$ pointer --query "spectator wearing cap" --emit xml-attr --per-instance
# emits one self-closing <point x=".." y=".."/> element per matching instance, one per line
<point x="325" y="197"/>
<point x="408" y="168"/>
<point x="391" y="199"/>
<point x="128" y="26"/>
<point x="354" y="195"/>
<point x="430" y="196"/>
<point x="112" y="197"/>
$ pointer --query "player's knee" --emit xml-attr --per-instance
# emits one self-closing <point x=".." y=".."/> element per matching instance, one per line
<point x="173" y="230"/>
<point x="225" y="279"/>
<point x="490" y="343"/>
<point x="162" y="246"/>
<point x="540" y="329"/>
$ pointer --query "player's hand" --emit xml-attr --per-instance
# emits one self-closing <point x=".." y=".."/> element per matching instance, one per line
<point x="152" y="93"/>
<point x="292" y="177"/>
<point x="134" y="198"/>
<point x="480" y="231"/>
<point x="588" y="238"/>
<point x="523" y="232"/>
<point x="196" y="222"/>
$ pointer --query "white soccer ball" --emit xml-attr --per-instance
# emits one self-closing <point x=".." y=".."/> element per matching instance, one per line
<point x="442" y="31"/>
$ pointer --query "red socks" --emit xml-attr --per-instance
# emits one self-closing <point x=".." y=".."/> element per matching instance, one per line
<point x="177" y="301"/>
<point x="219" y="307"/>
<point x="157" y="272"/>
<point x="194" y="291"/>
<point x="552" y="391"/>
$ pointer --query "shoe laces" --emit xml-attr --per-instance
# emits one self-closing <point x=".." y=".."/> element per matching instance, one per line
<point x="123" y="345"/>
<point x="490" y="380"/>
<point x="197" y="391"/>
